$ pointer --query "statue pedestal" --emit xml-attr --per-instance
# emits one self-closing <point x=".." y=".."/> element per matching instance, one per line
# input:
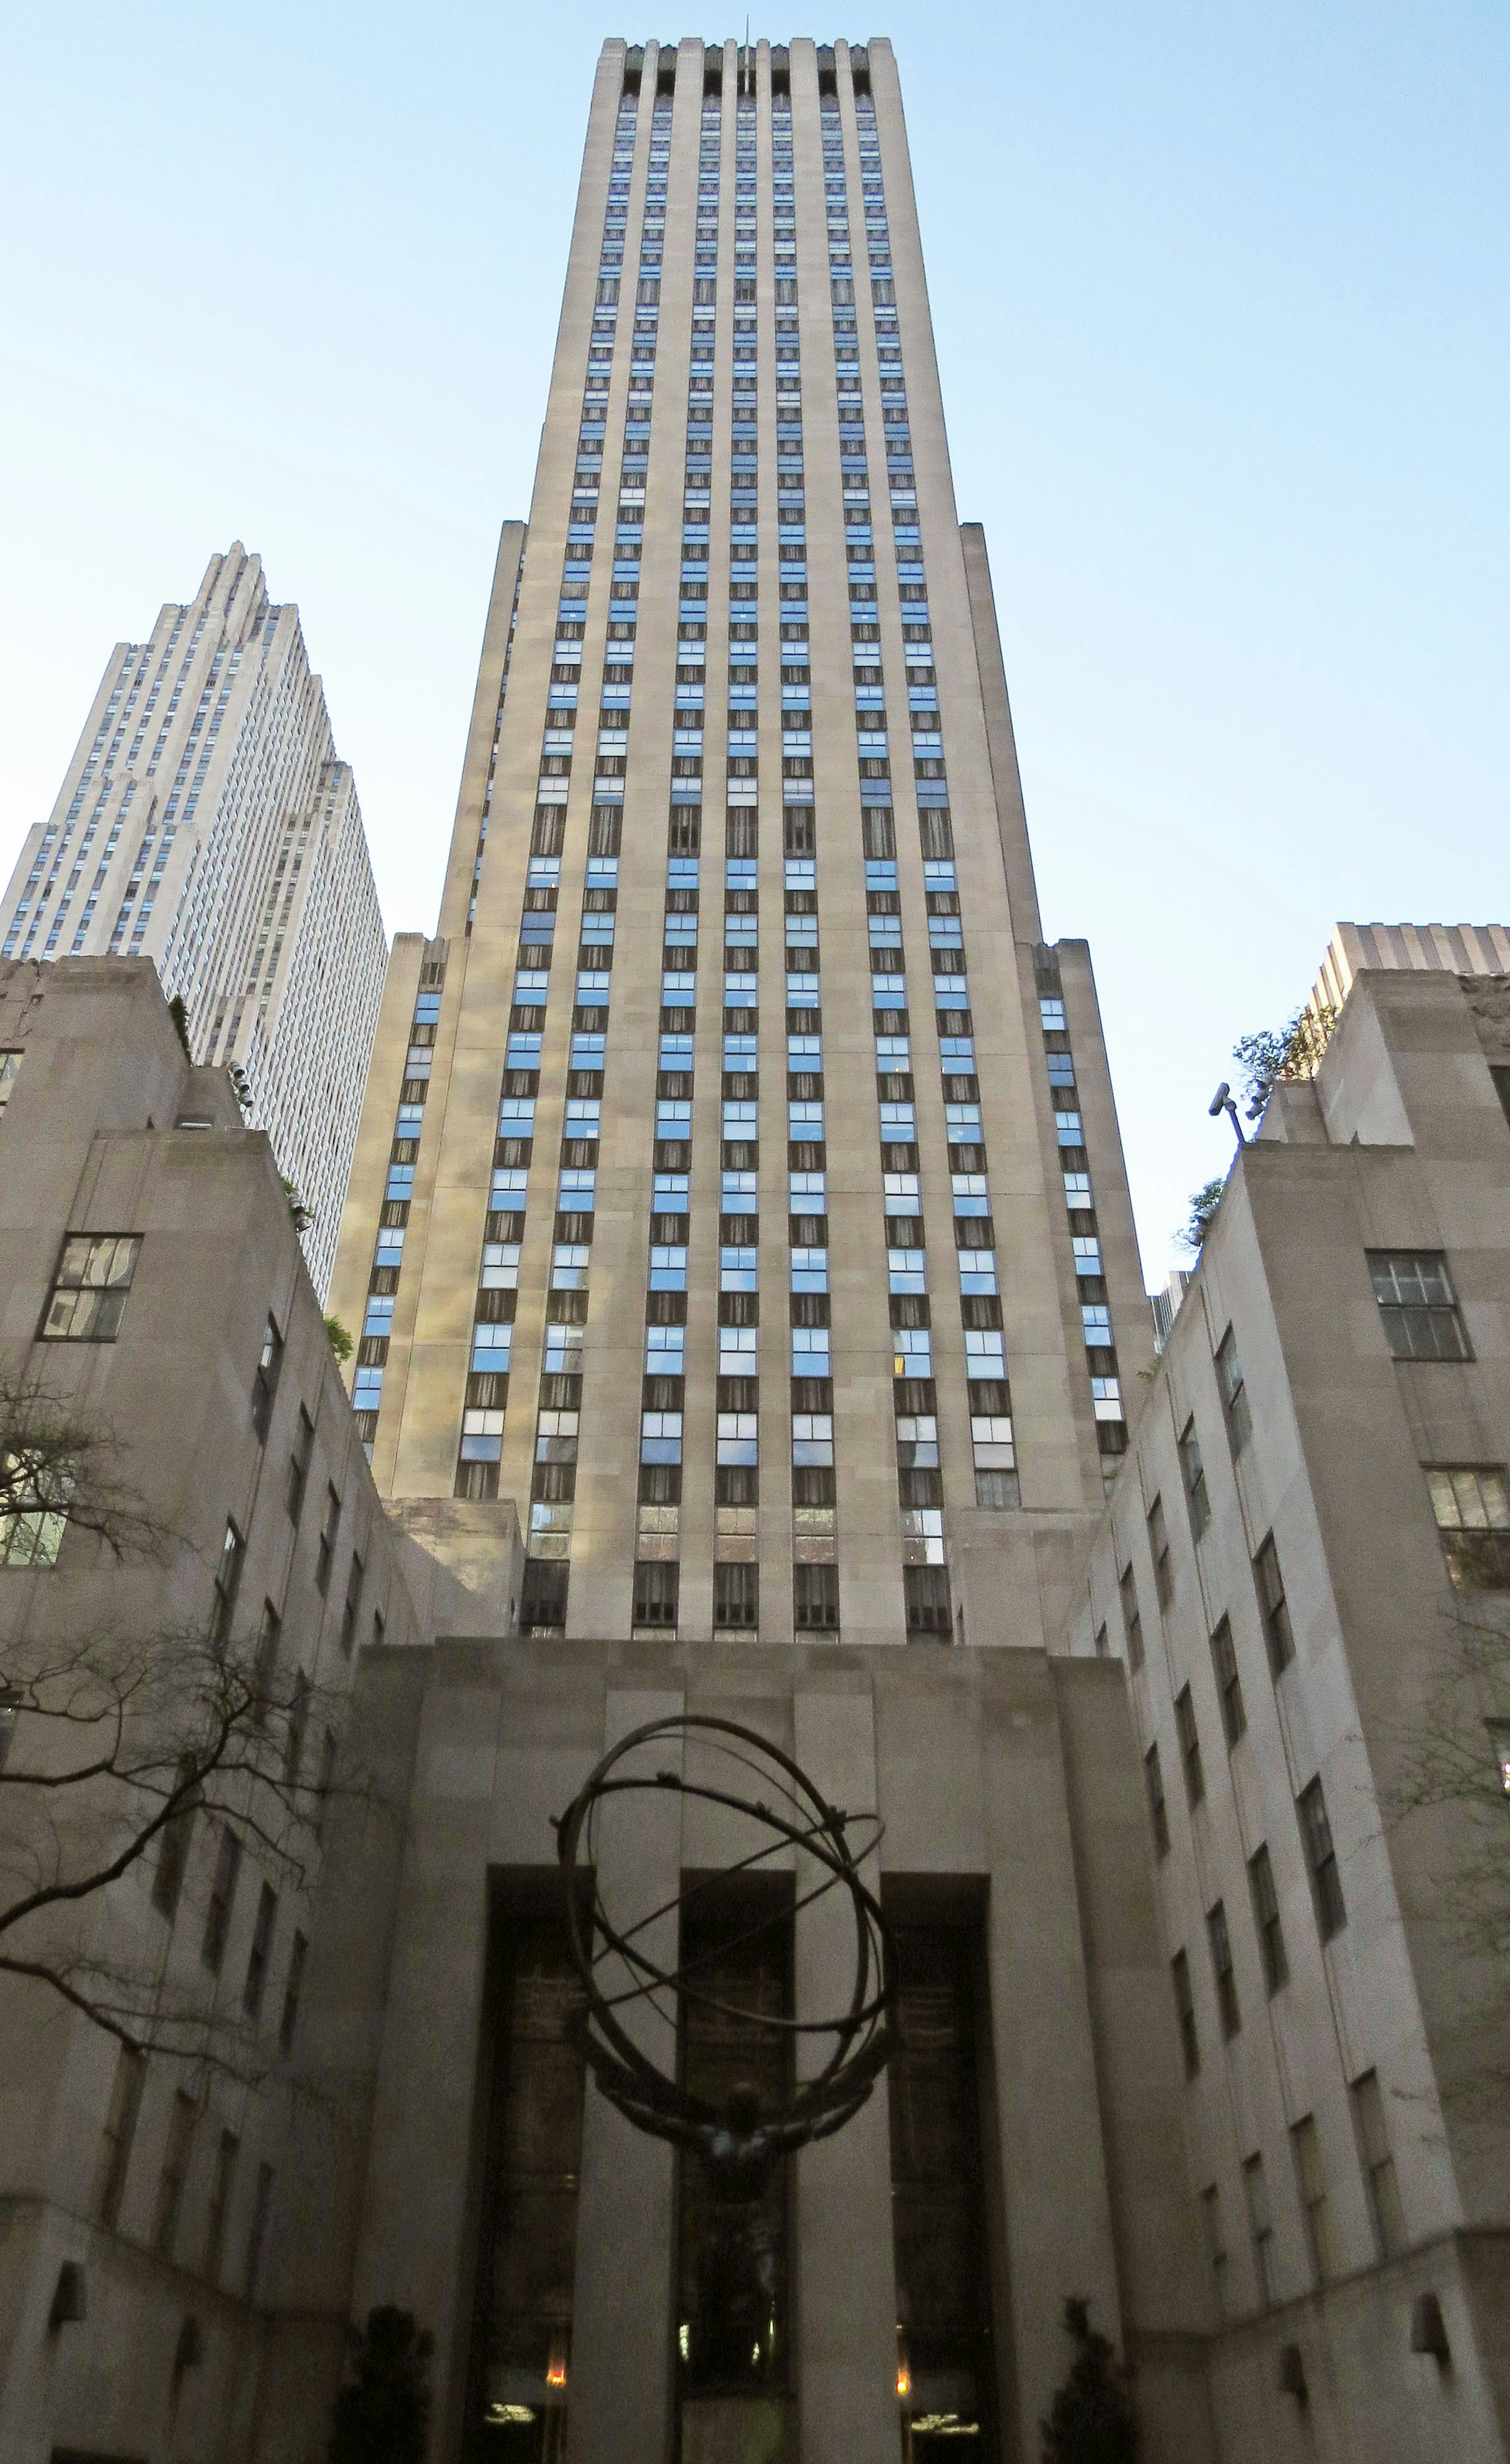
<point x="735" y="2429"/>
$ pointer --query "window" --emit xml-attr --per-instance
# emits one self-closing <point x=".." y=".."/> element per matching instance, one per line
<point x="736" y="1597"/>
<point x="348" y="1614"/>
<point x="1156" y="1805"/>
<point x="1472" y="1507"/>
<point x="175" y="2165"/>
<point x="325" y="1784"/>
<point x="89" y="1290"/>
<point x="172" y="1855"/>
<point x="1163" y="1563"/>
<point x="1229" y="1685"/>
<point x="1192" y="1473"/>
<point x="119" y="2130"/>
<point x="34" y="1509"/>
<point x="228" y="1582"/>
<point x="814" y="1598"/>
<point x="1132" y="1622"/>
<point x="657" y="1588"/>
<point x="1260" y="2226"/>
<point x="298" y="1464"/>
<point x="222" y="1894"/>
<point x="265" y="1382"/>
<point x="1272" y="1606"/>
<point x="1215" y="2245"/>
<point x="1233" y="1393"/>
<point x="1266" y="1917"/>
<point x="292" y="1990"/>
<point x="1378" y="2163"/>
<point x="1418" y="1304"/>
<point x="328" y="1524"/>
<point x="1185" y="2014"/>
<point x="257" y="2235"/>
<point x="1310" y="2176"/>
<point x="293" y="1741"/>
<point x="1190" y="1746"/>
<point x="255" y="1985"/>
<point x="1316" y="1831"/>
<point x="222" y="2183"/>
<point x="1221" y="1941"/>
<point x="10" y="1071"/>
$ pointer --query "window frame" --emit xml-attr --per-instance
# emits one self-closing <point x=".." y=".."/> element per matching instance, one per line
<point x="1192" y="1762"/>
<point x="1229" y="1681"/>
<point x="1476" y="1556"/>
<point x="115" y="1288"/>
<point x="1320" y="1860"/>
<point x="1198" y="1496"/>
<point x="1235" y="1409"/>
<point x="1267" y="1919"/>
<point x="1278" y="1630"/>
<point x="1419" y="1314"/>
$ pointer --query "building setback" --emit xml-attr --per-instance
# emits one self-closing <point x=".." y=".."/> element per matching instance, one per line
<point x="739" y="1185"/>
<point x="205" y="823"/>
<point x="1305" y="1567"/>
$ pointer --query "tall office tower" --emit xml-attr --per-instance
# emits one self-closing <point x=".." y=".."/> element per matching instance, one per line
<point x="205" y="823"/>
<point x="740" y="1187"/>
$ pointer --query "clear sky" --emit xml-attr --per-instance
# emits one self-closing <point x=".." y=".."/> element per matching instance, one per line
<point x="1220" y="297"/>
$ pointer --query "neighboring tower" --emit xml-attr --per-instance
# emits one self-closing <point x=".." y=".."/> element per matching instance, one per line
<point x="740" y="1187"/>
<point x="205" y="823"/>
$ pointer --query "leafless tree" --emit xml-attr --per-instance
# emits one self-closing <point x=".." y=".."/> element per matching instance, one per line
<point x="119" y="1739"/>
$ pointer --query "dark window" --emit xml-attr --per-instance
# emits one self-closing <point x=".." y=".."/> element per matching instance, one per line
<point x="325" y="1785"/>
<point x="527" y="2258"/>
<point x="814" y="1598"/>
<point x="292" y="1990"/>
<point x="119" y="2130"/>
<point x="1472" y="1507"/>
<point x="1316" y="1831"/>
<point x="172" y="1855"/>
<point x="348" y="1614"/>
<point x="257" y="1957"/>
<point x="1266" y="1917"/>
<point x="176" y="2149"/>
<point x="736" y="1597"/>
<point x="1156" y="1806"/>
<point x="222" y="2183"/>
<point x="1229" y="1685"/>
<point x="1132" y="1622"/>
<point x="258" y="2232"/>
<point x="1260" y="2226"/>
<point x="222" y="1894"/>
<point x="328" y="1524"/>
<point x="939" y="2167"/>
<point x="657" y="1589"/>
<point x="927" y="1591"/>
<point x="1418" y="1304"/>
<point x="228" y="1582"/>
<point x="1163" y="1563"/>
<point x="1378" y="2163"/>
<point x="1192" y="1473"/>
<point x="1501" y="1080"/>
<point x="1233" y="1393"/>
<point x="542" y="1603"/>
<point x="1272" y="1606"/>
<point x="293" y="1738"/>
<point x="1220" y="1941"/>
<point x="1190" y="1746"/>
<point x="89" y="1289"/>
<point x="265" y="1382"/>
<point x="298" y="1463"/>
<point x="1185" y="2014"/>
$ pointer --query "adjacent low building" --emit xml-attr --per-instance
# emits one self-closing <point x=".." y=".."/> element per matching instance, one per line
<point x="1305" y="1566"/>
<point x="206" y="823"/>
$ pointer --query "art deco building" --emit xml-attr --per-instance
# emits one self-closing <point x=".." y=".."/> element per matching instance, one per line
<point x="205" y="823"/>
<point x="739" y="1184"/>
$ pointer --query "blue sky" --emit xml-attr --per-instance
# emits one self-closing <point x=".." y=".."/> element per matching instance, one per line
<point x="1220" y="299"/>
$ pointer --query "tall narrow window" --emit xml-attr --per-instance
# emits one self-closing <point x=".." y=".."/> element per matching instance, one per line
<point x="1378" y="2163"/>
<point x="173" y="1841"/>
<point x="348" y="1614"/>
<point x="256" y="1979"/>
<point x="1273" y="1606"/>
<point x="1233" y="1389"/>
<point x="258" y="2234"/>
<point x="1266" y="1918"/>
<point x="1215" y="2244"/>
<point x="1310" y="2176"/>
<point x="1163" y="1562"/>
<point x="222" y="2184"/>
<point x="329" y="1524"/>
<point x="222" y="1895"/>
<point x="119" y="2130"/>
<point x="291" y="1991"/>
<point x="1316" y="1831"/>
<point x="1185" y="2013"/>
<point x="944" y="2374"/>
<point x="1189" y="1747"/>
<point x="298" y="1464"/>
<point x="228" y="1582"/>
<point x="527" y="2263"/>
<point x="1157" y="1808"/>
<point x="1229" y="1685"/>
<point x="1221" y="1941"/>
<point x="1194" y="1475"/>
<point x="265" y="1378"/>
<point x="1132" y="1621"/>
<point x="176" y="2148"/>
<point x="1260" y="2226"/>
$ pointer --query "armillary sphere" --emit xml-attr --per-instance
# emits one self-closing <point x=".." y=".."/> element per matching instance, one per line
<point x="730" y="1767"/>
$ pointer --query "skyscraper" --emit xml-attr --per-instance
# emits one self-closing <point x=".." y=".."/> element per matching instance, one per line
<point x="205" y="822"/>
<point x="741" y="1186"/>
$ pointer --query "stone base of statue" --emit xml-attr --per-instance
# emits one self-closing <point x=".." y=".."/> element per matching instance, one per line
<point x="735" y="2430"/>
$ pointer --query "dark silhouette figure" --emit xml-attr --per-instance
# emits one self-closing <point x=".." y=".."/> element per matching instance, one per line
<point x="1091" y="2420"/>
<point x="385" y="2417"/>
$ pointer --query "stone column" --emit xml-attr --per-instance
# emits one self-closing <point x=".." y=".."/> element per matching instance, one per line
<point x="619" y="2395"/>
<point x="846" y="2287"/>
